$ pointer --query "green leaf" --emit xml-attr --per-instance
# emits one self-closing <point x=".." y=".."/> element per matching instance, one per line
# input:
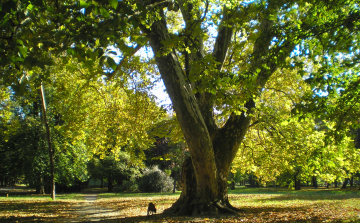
<point x="71" y="51"/>
<point x="104" y="12"/>
<point x="111" y="63"/>
<point x="23" y="50"/>
<point x="284" y="123"/>
<point x="331" y="164"/>
<point x="83" y="4"/>
<point x="113" y="3"/>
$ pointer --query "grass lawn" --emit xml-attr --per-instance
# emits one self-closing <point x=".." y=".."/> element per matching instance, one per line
<point x="257" y="205"/>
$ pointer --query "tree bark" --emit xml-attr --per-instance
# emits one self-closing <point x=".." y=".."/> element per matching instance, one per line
<point x="110" y="184"/>
<point x="212" y="149"/>
<point x="174" y="188"/>
<point x="346" y="181"/>
<point x="297" y="183"/>
<point x="40" y="185"/>
<point x="48" y="138"/>
<point x="314" y="182"/>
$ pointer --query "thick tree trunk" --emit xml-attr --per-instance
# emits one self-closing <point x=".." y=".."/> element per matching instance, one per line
<point x="190" y="203"/>
<point x="212" y="149"/>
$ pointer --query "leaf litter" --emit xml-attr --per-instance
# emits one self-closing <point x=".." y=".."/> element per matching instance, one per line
<point x="286" y="207"/>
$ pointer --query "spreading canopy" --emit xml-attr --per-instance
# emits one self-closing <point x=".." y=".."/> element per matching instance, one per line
<point x="215" y="58"/>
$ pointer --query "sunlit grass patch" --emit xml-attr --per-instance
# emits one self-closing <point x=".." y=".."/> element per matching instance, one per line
<point x="137" y="205"/>
<point x="35" y="209"/>
<point x="107" y="195"/>
<point x="256" y="204"/>
<point x="303" y="205"/>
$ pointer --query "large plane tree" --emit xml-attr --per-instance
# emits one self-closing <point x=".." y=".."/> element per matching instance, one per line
<point x="214" y="56"/>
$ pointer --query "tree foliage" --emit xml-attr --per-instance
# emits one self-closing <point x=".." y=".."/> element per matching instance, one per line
<point x="117" y="169"/>
<point x="281" y="143"/>
<point x="215" y="58"/>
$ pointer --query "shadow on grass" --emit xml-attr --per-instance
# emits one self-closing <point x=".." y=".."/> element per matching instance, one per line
<point x="310" y="190"/>
<point x="33" y="206"/>
<point x="246" y="215"/>
<point x="26" y="219"/>
<point x="305" y="194"/>
<point x="33" y="210"/>
<point x="134" y="195"/>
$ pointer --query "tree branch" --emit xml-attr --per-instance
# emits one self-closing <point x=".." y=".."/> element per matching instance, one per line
<point x="270" y="88"/>
<point x="194" y="42"/>
<point x="112" y="74"/>
<point x="224" y="38"/>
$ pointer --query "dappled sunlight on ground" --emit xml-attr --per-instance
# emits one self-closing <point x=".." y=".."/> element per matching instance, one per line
<point x="257" y="205"/>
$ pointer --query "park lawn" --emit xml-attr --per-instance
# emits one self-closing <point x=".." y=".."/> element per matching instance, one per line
<point x="257" y="205"/>
<point x="35" y="209"/>
<point x="38" y="208"/>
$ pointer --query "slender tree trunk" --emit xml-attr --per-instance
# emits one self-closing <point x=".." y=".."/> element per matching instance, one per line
<point x="232" y="185"/>
<point x="352" y="181"/>
<point x="297" y="181"/>
<point x="110" y="185"/>
<point x="314" y="182"/>
<point x="336" y="183"/>
<point x="40" y="186"/>
<point x="174" y="189"/>
<point x="48" y="137"/>
<point x="346" y="181"/>
<point x="297" y="184"/>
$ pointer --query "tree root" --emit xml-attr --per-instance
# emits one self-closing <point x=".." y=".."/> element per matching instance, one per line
<point x="183" y="207"/>
<point x="226" y="209"/>
<point x="232" y="207"/>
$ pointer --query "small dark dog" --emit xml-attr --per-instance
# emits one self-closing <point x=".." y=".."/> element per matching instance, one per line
<point x="151" y="209"/>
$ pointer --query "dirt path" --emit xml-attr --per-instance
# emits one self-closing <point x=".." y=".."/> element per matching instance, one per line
<point x="88" y="211"/>
<point x="15" y="189"/>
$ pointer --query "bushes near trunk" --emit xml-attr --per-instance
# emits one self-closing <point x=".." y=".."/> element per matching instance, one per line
<point x="155" y="180"/>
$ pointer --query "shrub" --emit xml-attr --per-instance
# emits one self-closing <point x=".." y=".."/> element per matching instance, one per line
<point x="128" y="186"/>
<point x="155" y="180"/>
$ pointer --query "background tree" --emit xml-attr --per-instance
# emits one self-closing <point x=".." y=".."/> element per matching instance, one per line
<point x="282" y="146"/>
<point x="168" y="152"/>
<point x="76" y="117"/>
<point x="118" y="170"/>
<point x="23" y="135"/>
